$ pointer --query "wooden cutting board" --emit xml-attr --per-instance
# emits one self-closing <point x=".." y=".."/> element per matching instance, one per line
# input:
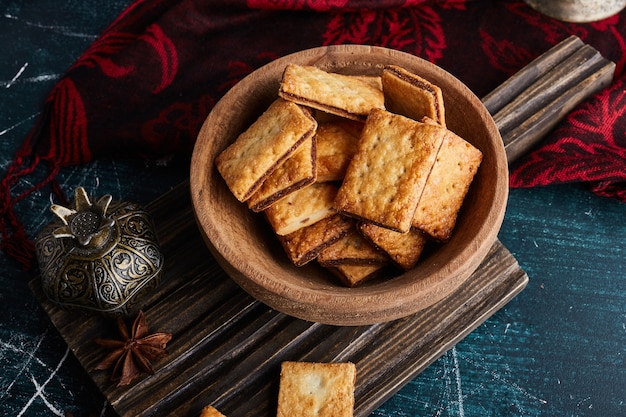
<point x="227" y="347"/>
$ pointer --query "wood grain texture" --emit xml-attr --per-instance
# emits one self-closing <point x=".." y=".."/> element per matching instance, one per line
<point x="530" y="103"/>
<point x="227" y="347"/>
<point x="503" y="94"/>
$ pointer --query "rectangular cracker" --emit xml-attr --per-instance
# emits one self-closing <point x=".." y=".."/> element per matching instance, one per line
<point x="352" y="249"/>
<point x="386" y="176"/>
<point x="303" y="245"/>
<point x="264" y="146"/>
<point x="411" y="95"/>
<point x="446" y="188"/>
<point x="336" y="145"/>
<point x="296" y="172"/>
<point x="302" y="208"/>
<point x="313" y="389"/>
<point x="373" y="80"/>
<point x="404" y="249"/>
<point x="343" y="95"/>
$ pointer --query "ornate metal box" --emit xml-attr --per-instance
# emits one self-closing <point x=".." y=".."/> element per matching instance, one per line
<point x="100" y="257"/>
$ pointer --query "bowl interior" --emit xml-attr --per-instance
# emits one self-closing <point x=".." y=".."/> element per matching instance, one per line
<point x="245" y="246"/>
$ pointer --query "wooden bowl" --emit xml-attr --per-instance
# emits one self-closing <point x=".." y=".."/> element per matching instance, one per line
<point x="247" y="249"/>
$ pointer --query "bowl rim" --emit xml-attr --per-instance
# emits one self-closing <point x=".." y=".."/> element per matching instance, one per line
<point x="328" y="304"/>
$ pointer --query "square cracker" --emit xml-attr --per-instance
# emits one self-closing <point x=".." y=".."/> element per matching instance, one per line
<point x="411" y="95"/>
<point x="210" y="411"/>
<point x="446" y="188"/>
<point x="302" y="208"/>
<point x="344" y="95"/>
<point x="303" y="245"/>
<point x="296" y="172"/>
<point x="386" y="177"/>
<point x="336" y="145"/>
<point x="352" y="249"/>
<point x="404" y="249"/>
<point x="312" y="389"/>
<point x="373" y="80"/>
<point x="353" y="275"/>
<point x="264" y="146"/>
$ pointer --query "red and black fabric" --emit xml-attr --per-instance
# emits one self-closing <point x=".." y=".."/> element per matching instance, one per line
<point x="588" y="146"/>
<point x="145" y="86"/>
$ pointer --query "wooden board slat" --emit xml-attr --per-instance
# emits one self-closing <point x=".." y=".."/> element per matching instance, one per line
<point x="227" y="347"/>
<point x="527" y="76"/>
<point x="534" y="100"/>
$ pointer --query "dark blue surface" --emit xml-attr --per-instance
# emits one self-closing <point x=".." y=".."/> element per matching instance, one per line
<point x="556" y="350"/>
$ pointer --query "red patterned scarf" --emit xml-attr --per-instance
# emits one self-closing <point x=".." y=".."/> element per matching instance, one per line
<point x="148" y="82"/>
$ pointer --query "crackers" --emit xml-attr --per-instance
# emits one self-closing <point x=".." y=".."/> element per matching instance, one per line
<point x="296" y="172"/>
<point x="264" y="146"/>
<point x="386" y="177"/>
<point x="359" y="173"/>
<point x="305" y="244"/>
<point x="336" y="145"/>
<point x="342" y="95"/>
<point x="404" y="249"/>
<point x="353" y="275"/>
<point x="412" y="96"/>
<point x="351" y="249"/>
<point x="313" y="389"/>
<point x="302" y="208"/>
<point x="454" y="170"/>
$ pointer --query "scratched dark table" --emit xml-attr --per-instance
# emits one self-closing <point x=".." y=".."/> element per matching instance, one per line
<point x="558" y="349"/>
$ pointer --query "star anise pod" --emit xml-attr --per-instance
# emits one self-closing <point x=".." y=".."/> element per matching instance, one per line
<point x="134" y="354"/>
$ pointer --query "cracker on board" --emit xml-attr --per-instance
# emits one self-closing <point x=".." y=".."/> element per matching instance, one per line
<point x="412" y="96"/>
<point x="404" y="249"/>
<point x="316" y="389"/>
<point x="302" y="208"/>
<point x="386" y="176"/>
<point x="264" y="146"/>
<point x="303" y="245"/>
<point x="352" y="249"/>
<point x="336" y="146"/>
<point x="339" y="94"/>
<point x="446" y="188"/>
<point x="353" y="275"/>
<point x="296" y="172"/>
<point x="210" y="411"/>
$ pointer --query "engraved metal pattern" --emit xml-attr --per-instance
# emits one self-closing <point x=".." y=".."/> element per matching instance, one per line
<point x="85" y="223"/>
<point x="110" y="277"/>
